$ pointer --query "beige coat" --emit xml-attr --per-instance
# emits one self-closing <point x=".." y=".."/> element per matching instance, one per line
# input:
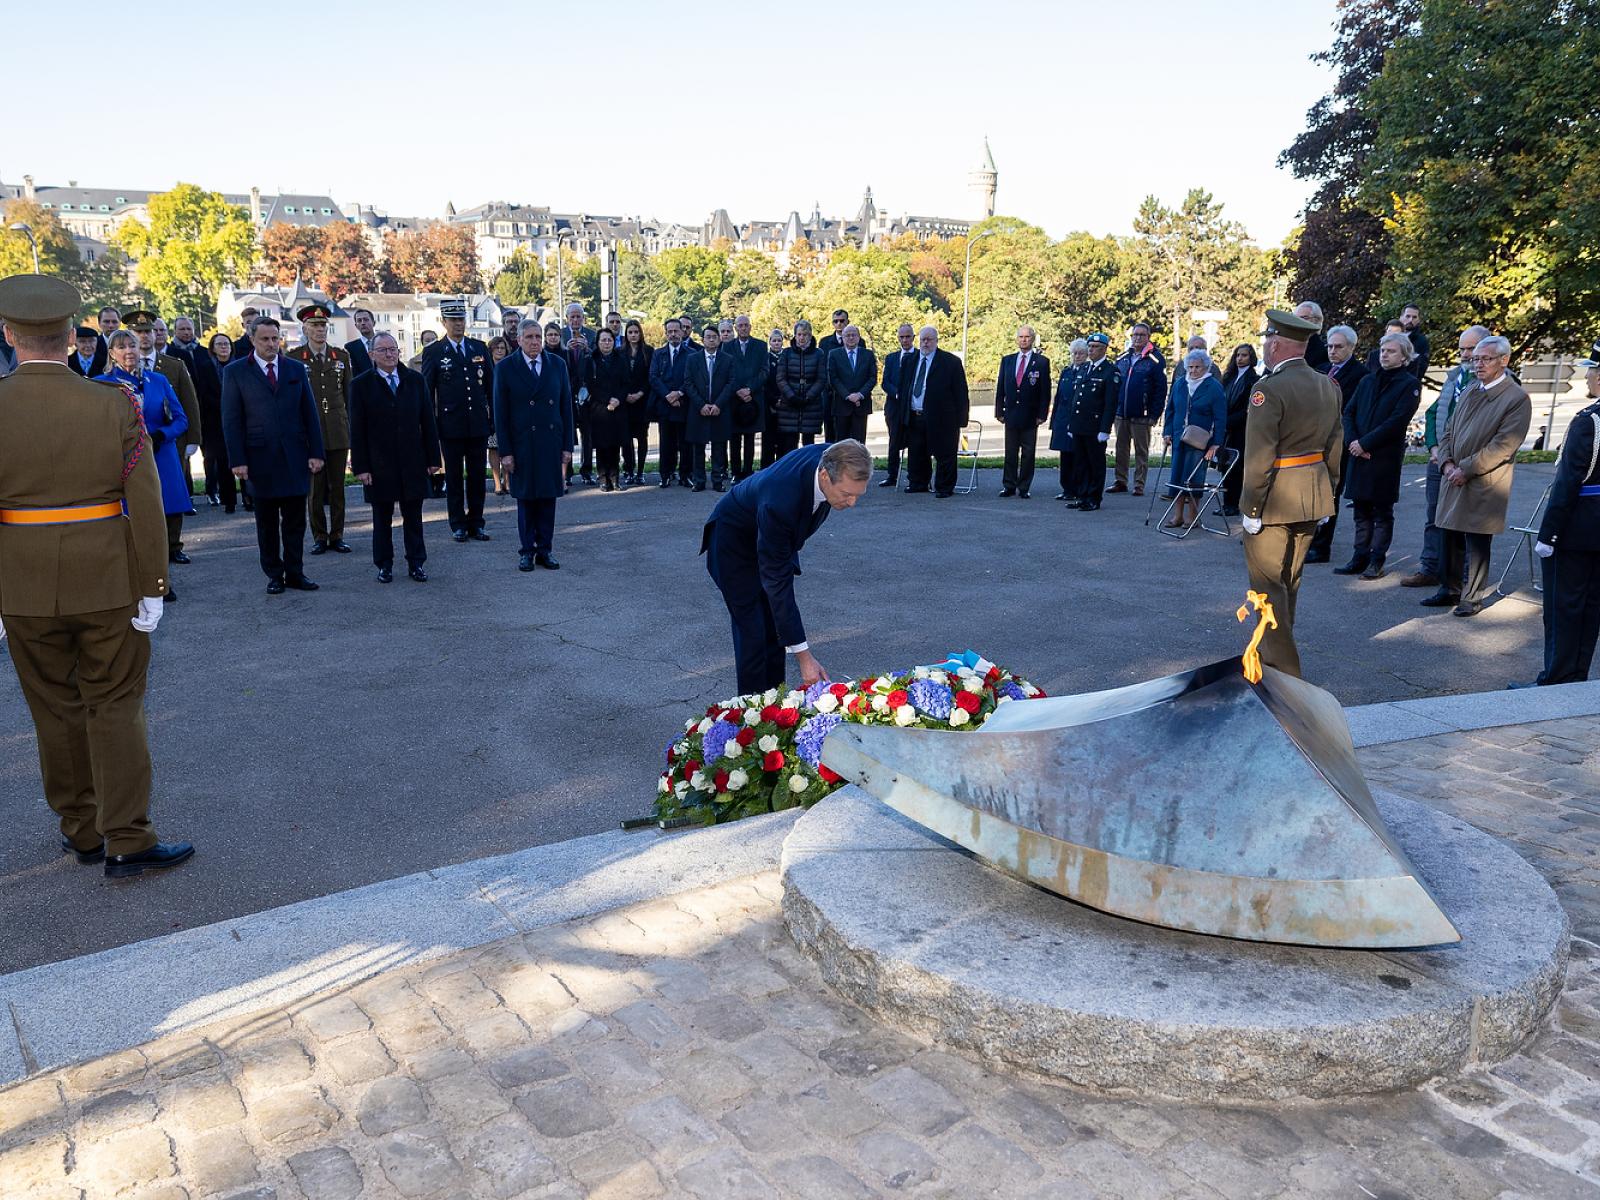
<point x="1483" y="437"/>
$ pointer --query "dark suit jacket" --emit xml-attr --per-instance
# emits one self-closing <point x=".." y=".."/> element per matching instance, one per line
<point x="360" y="359"/>
<point x="272" y="433"/>
<point x="945" y="404"/>
<point x="842" y="381"/>
<point x="1028" y="404"/>
<point x="1572" y="520"/>
<point x="208" y="389"/>
<point x="1347" y="377"/>
<point x="392" y="436"/>
<point x="891" y="387"/>
<point x="749" y="371"/>
<point x="664" y="379"/>
<point x="753" y="539"/>
<point x="97" y="365"/>
<point x="713" y="386"/>
<point x="534" y="423"/>
<point x="460" y="390"/>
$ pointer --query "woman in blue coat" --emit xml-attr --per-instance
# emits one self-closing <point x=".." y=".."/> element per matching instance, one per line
<point x="1061" y="416"/>
<point x="164" y="421"/>
<point x="1196" y="399"/>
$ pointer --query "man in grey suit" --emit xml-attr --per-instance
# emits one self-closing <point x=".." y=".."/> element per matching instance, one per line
<point x="852" y="373"/>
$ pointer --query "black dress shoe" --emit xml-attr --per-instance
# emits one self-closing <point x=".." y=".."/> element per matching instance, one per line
<point x="1004" y="492"/>
<point x="1354" y="567"/>
<point x="916" y="489"/>
<point x="171" y="597"/>
<point x="320" y="548"/>
<point x="339" y="546"/>
<point x="719" y="486"/>
<point x="1441" y="599"/>
<point x="548" y="563"/>
<point x="943" y="495"/>
<point x="1515" y="686"/>
<point x="1465" y="609"/>
<point x="212" y="500"/>
<point x="274" y="587"/>
<point x="699" y="487"/>
<point x="1229" y="511"/>
<point x="460" y="535"/>
<point x="588" y="477"/>
<point x="1089" y="506"/>
<point x="1117" y="487"/>
<point x="178" y="556"/>
<point x="249" y="505"/>
<point x="888" y="483"/>
<point x="300" y="584"/>
<point x="477" y="535"/>
<point x="385" y="575"/>
<point x="161" y="855"/>
<point x="418" y="574"/>
<point x="665" y="483"/>
<point x="87" y="857"/>
<point x="228" y="508"/>
<point x="1024" y="496"/>
<point x="525" y="562"/>
<point x="1316" y="556"/>
<point x="1067" y="498"/>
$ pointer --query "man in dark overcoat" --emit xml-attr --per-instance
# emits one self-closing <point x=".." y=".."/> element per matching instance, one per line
<point x="394" y="447"/>
<point x="536" y="429"/>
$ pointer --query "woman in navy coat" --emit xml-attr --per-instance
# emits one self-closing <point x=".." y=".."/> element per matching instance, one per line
<point x="1061" y="415"/>
<point x="1196" y="399"/>
<point x="1375" y="422"/>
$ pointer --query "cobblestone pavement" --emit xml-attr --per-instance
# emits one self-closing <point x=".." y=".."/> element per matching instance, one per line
<point x="684" y="1048"/>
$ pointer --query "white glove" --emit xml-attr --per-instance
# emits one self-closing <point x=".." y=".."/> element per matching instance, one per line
<point x="191" y="451"/>
<point x="1102" y="437"/>
<point x="1252" y="524"/>
<point x="1543" y="549"/>
<point x="149" y="614"/>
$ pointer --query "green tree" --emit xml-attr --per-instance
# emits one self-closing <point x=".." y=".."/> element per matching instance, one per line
<point x="750" y="274"/>
<point x="1202" y="260"/>
<point x="522" y="280"/>
<point x="195" y="244"/>
<point x="640" y="286"/>
<point x="58" y="253"/>
<point x="1488" y="184"/>
<point x="108" y="280"/>
<point x="700" y="274"/>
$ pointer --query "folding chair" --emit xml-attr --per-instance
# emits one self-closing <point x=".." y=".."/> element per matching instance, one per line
<point x="1529" y="534"/>
<point x="976" y="444"/>
<point x="1210" y="491"/>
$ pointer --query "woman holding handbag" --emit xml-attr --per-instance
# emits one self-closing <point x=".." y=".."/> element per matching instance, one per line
<point x="1197" y="413"/>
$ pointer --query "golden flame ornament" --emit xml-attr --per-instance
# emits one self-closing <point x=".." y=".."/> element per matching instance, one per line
<point x="1252" y="656"/>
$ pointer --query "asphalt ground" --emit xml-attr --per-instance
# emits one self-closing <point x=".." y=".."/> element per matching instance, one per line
<point x="313" y="742"/>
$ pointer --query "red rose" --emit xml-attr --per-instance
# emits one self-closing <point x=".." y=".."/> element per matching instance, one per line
<point x="745" y="736"/>
<point x="721" y="780"/>
<point x="994" y="674"/>
<point x="855" y="703"/>
<point x="769" y="713"/>
<point x="827" y="775"/>
<point x="690" y="767"/>
<point x="866" y="684"/>
<point x="840" y="690"/>
<point x="733" y="718"/>
<point x="897" y="697"/>
<point x="712" y="711"/>
<point x="787" y="717"/>
<point x="968" y="701"/>
<point x="773" y="761"/>
<point x="1041" y="692"/>
<point x="672" y="754"/>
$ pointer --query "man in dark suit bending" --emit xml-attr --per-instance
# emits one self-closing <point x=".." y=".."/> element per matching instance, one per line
<point x="752" y="546"/>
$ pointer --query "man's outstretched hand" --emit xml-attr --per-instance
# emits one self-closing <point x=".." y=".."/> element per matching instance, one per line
<point x="811" y="671"/>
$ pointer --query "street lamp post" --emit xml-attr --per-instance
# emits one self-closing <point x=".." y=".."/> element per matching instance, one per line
<point x="26" y="230"/>
<point x="966" y="282"/>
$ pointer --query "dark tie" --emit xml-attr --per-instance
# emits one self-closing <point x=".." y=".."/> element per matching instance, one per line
<point x="272" y="375"/>
<point x="922" y="376"/>
<point x="852" y="360"/>
<point x="394" y="383"/>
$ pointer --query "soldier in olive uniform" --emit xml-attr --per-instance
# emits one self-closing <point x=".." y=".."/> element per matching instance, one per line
<point x="82" y="574"/>
<point x="460" y="376"/>
<point x="1292" y="445"/>
<point x="330" y="372"/>
<point x="1095" y="391"/>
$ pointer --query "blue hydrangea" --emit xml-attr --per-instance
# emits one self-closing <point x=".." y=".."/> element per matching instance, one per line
<point x="718" y="736"/>
<point x="808" y="740"/>
<point x="815" y="690"/>
<point x="931" y="698"/>
<point x="1008" y="688"/>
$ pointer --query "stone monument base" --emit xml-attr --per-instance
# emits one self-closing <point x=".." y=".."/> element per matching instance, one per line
<point x="933" y="941"/>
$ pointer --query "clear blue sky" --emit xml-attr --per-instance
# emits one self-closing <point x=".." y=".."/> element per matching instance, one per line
<point x="1088" y="106"/>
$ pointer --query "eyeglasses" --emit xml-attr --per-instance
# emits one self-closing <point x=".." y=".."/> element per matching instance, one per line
<point x="1487" y="358"/>
<point x="838" y="320"/>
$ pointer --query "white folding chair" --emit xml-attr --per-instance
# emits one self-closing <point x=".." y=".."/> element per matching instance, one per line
<point x="1529" y="534"/>
<point x="971" y="447"/>
<point x="1205" y="485"/>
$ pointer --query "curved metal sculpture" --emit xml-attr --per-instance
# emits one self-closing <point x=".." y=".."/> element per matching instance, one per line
<point x="1202" y="801"/>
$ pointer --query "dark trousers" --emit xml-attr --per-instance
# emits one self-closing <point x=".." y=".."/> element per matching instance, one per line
<point x="1322" y="540"/>
<point x="174" y="532"/>
<point x="930" y="458"/>
<point x="465" y="461"/>
<point x="1471" y="552"/>
<point x="1431" y="561"/>
<point x="1233" y="485"/>
<point x="769" y="440"/>
<point x="219" y="479"/>
<point x="1572" y="605"/>
<point x="830" y="426"/>
<point x="635" y="449"/>
<point x="758" y="655"/>
<point x="1088" y="468"/>
<point x="281" y="558"/>
<point x="536" y="525"/>
<point x="780" y="442"/>
<point x="852" y="426"/>
<point x="383" y="532"/>
<point x="1374" y="529"/>
<point x="327" y="498"/>
<point x="896" y="446"/>
<point x="608" y="458"/>
<point x="696" y="465"/>
<point x="742" y="455"/>
<point x="671" y="451"/>
<point x="1274" y="559"/>
<point x="1022" y="442"/>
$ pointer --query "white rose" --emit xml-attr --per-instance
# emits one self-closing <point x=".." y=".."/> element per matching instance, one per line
<point x="697" y="780"/>
<point x="972" y="684"/>
<point x="664" y="785"/>
<point x="794" y="700"/>
<point x="732" y="749"/>
<point x="797" y="783"/>
<point x="921" y="672"/>
<point x="939" y="676"/>
<point x="704" y="725"/>
<point x="1030" y="689"/>
<point x="752" y="716"/>
<point x="906" y="714"/>
<point x="737" y="778"/>
<point x="680" y="789"/>
<point x="770" y="696"/>
<point x="768" y="743"/>
<point x="882" y="685"/>
<point x="965" y="672"/>
<point x="1002" y="700"/>
<point x="826" y="702"/>
<point x="959" y="717"/>
<point x="880" y="704"/>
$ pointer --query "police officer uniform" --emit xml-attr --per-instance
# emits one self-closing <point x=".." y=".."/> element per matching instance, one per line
<point x="1095" y="391"/>
<point x="83" y="567"/>
<point x="1569" y="543"/>
<point x="331" y="373"/>
<point x="1292" y="448"/>
<point x="460" y="376"/>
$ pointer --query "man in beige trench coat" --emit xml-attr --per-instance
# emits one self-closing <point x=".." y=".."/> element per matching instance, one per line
<point x="1477" y="454"/>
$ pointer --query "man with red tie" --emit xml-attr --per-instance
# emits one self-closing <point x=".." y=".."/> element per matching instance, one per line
<point x="1021" y="404"/>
